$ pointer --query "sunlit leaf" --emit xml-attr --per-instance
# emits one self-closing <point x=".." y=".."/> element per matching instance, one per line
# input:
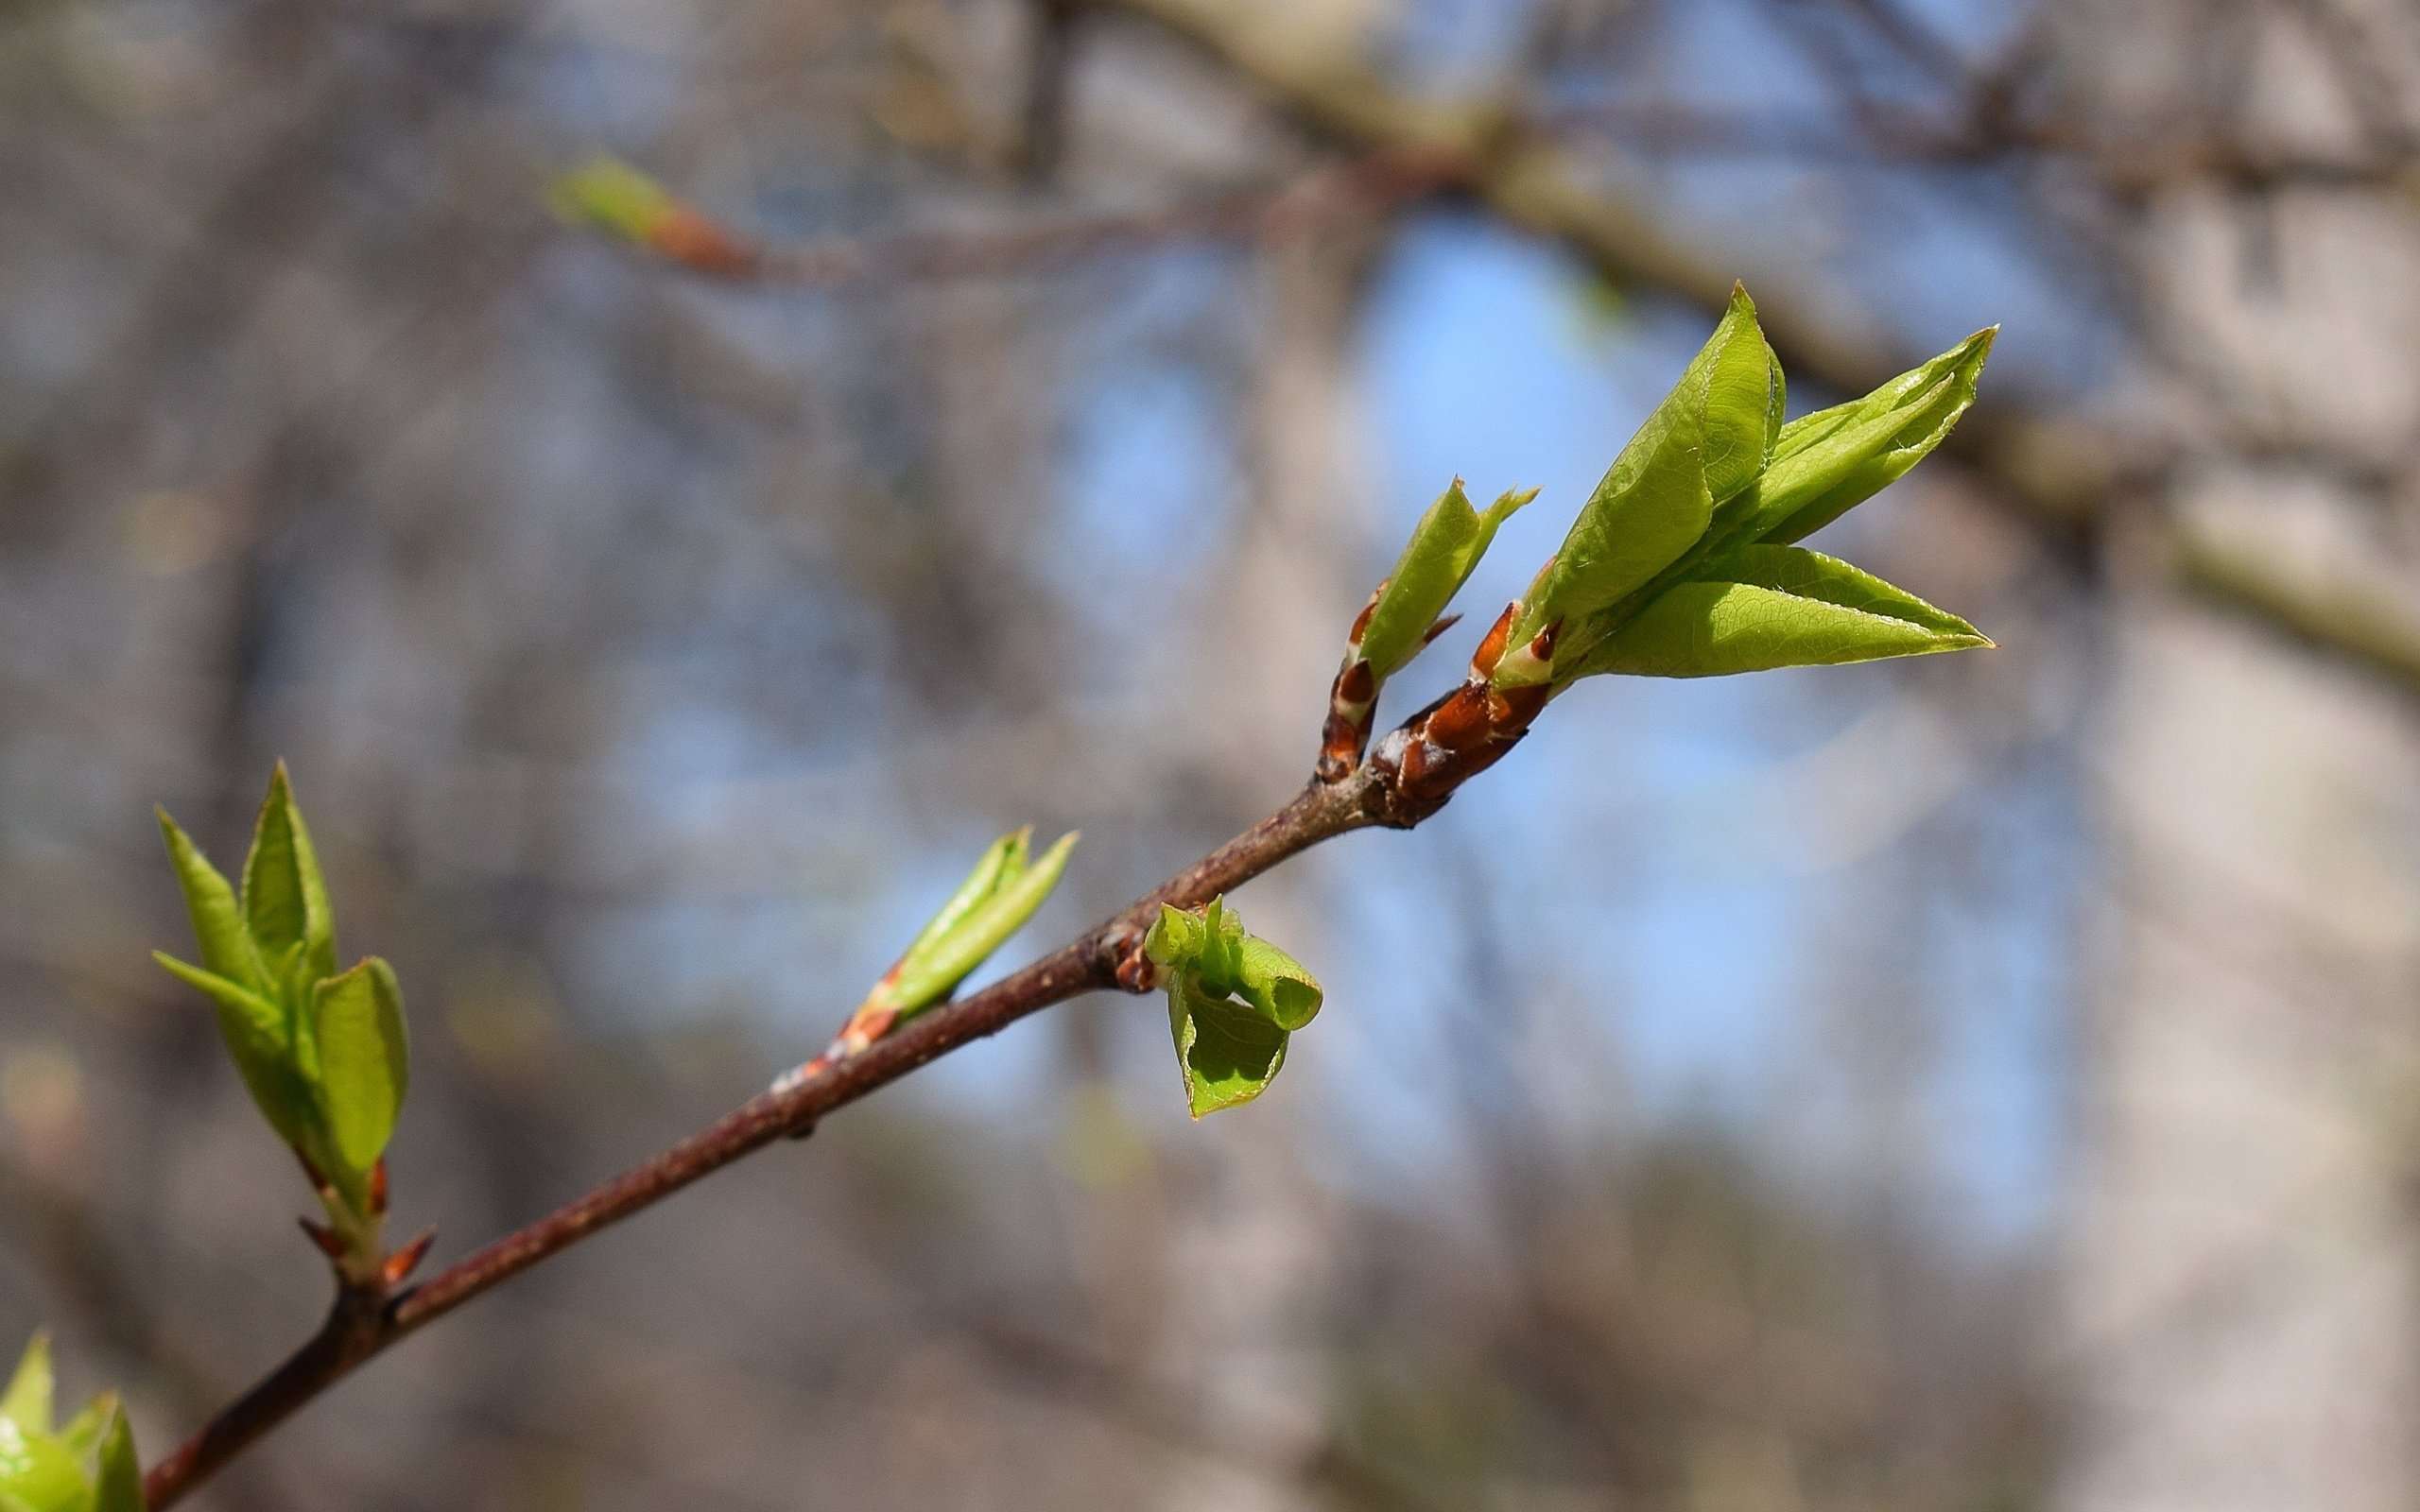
<point x="1446" y="545"/>
<point x="1827" y="463"/>
<point x="1778" y="606"/>
<point x="937" y="971"/>
<point x="1707" y="441"/>
<point x="1228" y="1050"/>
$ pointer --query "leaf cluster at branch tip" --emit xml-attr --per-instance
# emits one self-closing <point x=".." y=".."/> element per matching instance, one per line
<point x="85" y="1465"/>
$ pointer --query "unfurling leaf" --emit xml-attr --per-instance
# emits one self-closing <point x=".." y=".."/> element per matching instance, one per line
<point x="1770" y="607"/>
<point x="1707" y="442"/>
<point x="324" y="1055"/>
<point x="1444" y="547"/>
<point x="970" y="928"/>
<point x="90" y="1465"/>
<point x="364" y="1060"/>
<point x="1228" y="1050"/>
<point x="1827" y="463"/>
<point x="1233" y="1001"/>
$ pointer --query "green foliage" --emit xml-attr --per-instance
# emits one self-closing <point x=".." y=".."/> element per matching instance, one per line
<point x="1679" y="563"/>
<point x="323" y="1054"/>
<point x="1444" y="547"/>
<point x="364" y="1058"/>
<point x="1233" y="1001"/>
<point x="1777" y="606"/>
<point x="613" y="196"/>
<point x="1702" y="445"/>
<point x="1827" y="463"/>
<point x="994" y="902"/>
<point x="89" y="1465"/>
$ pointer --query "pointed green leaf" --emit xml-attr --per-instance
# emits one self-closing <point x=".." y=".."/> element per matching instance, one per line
<point x="1444" y="547"/>
<point x="218" y="926"/>
<point x="1827" y="463"/>
<point x="1276" y="984"/>
<point x="1705" y="442"/>
<point x="259" y="1038"/>
<point x="364" y="1059"/>
<point x="1228" y="1051"/>
<point x="1005" y="858"/>
<point x="1778" y="606"/>
<point x="285" y="899"/>
<point x="984" y="930"/>
<point x="26" y="1403"/>
<point x="117" y="1474"/>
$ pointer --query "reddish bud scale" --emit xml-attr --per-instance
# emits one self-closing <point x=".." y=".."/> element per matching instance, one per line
<point x="689" y="239"/>
<point x="324" y="1237"/>
<point x="378" y="1189"/>
<point x="1361" y="621"/>
<point x="1491" y="648"/>
<point x="400" y="1265"/>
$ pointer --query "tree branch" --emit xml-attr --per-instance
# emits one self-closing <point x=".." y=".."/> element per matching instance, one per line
<point x="364" y="1322"/>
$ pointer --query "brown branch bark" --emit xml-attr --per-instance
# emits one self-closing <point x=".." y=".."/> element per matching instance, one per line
<point x="364" y="1323"/>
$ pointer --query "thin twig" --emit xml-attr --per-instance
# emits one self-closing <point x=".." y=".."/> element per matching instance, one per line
<point x="1333" y="194"/>
<point x="363" y="1324"/>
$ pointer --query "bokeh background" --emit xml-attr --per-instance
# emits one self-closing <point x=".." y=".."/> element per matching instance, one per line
<point x="1981" y="1083"/>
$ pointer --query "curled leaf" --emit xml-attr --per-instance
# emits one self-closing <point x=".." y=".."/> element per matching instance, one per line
<point x="1234" y="1000"/>
<point x="1229" y="1051"/>
<point x="1829" y="462"/>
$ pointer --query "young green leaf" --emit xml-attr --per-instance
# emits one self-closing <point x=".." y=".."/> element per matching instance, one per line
<point x="1777" y="606"/>
<point x="1229" y="1051"/>
<point x="1707" y="441"/>
<point x="260" y="1037"/>
<point x="26" y="1403"/>
<point x="1276" y="984"/>
<point x="218" y="926"/>
<point x="38" y="1474"/>
<point x="1005" y="857"/>
<point x="364" y="1059"/>
<point x="1444" y="547"/>
<point x="1827" y="463"/>
<point x="286" y="900"/>
<point x="615" y="196"/>
<point x="117" y="1473"/>
<point x="983" y="928"/>
<point x="1234" y="1000"/>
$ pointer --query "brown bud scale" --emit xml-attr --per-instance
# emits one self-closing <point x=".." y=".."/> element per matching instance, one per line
<point x="1491" y="648"/>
